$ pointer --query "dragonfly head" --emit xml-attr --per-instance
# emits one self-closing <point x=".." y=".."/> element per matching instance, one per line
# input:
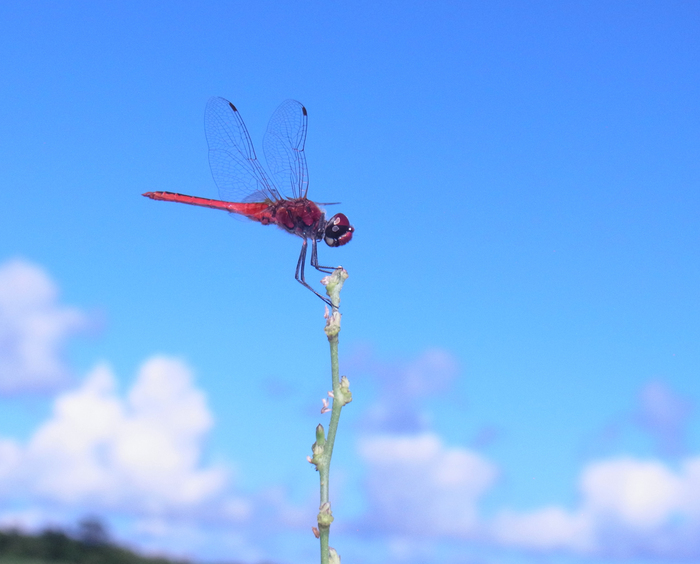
<point x="338" y="231"/>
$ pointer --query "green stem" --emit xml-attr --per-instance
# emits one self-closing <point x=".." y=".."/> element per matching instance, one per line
<point x="324" y="544"/>
<point x="337" y="405"/>
<point x="341" y="396"/>
<point x="325" y="466"/>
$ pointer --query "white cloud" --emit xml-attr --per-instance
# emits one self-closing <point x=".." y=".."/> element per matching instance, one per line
<point x="33" y="329"/>
<point x="418" y="486"/>
<point x="628" y="507"/>
<point x="640" y="494"/>
<point x="139" y="454"/>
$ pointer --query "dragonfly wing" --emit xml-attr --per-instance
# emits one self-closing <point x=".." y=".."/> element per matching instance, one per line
<point x="284" y="148"/>
<point x="234" y="165"/>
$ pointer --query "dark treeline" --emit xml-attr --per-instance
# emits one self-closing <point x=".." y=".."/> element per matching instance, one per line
<point x="91" y="547"/>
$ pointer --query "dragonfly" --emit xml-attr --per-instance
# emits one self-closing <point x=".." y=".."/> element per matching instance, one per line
<point x="278" y="197"/>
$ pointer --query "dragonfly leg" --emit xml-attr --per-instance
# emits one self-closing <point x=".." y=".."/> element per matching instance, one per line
<point x="314" y="259"/>
<point x="299" y="274"/>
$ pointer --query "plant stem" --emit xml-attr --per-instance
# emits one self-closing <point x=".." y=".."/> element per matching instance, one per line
<point x="325" y="468"/>
<point x="323" y="447"/>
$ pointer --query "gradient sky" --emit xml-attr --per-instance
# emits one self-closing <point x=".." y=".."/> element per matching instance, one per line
<point x="521" y="324"/>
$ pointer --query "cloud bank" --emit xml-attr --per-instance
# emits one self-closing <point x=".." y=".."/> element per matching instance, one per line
<point x="420" y="490"/>
<point x="138" y="454"/>
<point x="629" y="508"/>
<point x="418" y="486"/>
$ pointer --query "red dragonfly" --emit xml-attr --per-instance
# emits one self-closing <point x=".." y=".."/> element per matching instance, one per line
<point x="246" y="189"/>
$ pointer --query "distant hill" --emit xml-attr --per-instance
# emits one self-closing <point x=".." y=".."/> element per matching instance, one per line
<point x="56" y="547"/>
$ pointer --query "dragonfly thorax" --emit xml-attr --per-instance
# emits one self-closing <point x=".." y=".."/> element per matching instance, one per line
<point x="299" y="216"/>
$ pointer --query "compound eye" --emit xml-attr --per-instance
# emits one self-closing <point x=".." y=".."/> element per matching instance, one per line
<point x="338" y="231"/>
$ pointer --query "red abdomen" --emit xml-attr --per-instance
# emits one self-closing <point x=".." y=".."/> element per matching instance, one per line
<point x="250" y="210"/>
<point x="299" y="216"/>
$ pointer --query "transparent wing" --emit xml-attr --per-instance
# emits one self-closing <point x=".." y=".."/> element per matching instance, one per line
<point x="234" y="165"/>
<point x="284" y="148"/>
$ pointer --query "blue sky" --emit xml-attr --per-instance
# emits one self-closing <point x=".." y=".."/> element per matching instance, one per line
<point x="521" y="319"/>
